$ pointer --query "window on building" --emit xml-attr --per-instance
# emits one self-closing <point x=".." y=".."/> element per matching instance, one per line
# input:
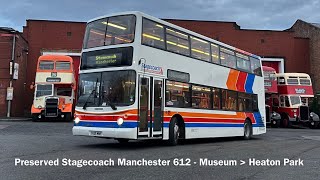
<point x="63" y="65"/>
<point x="216" y="98"/>
<point x="177" y="94"/>
<point x="177" y="42"/>
<point x="227" y="58"/>
<point x="200" y="49"/>
<point x="243" y="62"/>
<point x="201" y="97"/>
<point x="229" y="100"/>
<point x="46" y="65"/>
<point x="255" y="66"/>
<point x="153" y="34"/>
<point x="215" y="53"/>
<point x="244" y="102"/>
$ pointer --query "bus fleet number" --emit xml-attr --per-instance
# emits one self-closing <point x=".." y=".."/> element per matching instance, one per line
<point x="182" y="162"/>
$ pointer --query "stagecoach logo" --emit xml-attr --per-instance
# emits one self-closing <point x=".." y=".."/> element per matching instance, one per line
<point x="151" y="69"/>
<point x="300" y="91"/>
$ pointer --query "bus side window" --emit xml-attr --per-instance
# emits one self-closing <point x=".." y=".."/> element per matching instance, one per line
<point x="255" y="102"/>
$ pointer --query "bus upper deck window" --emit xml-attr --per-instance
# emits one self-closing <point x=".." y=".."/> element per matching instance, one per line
<point x="63" y="65"/>
<point x="46" y="65"/>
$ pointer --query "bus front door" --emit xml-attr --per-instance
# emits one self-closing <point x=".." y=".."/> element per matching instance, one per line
<point x="150" y="107"/>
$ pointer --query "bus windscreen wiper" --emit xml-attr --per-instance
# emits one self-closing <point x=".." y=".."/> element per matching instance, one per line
<point x="93" y="91"/>
<point x="109" y="102"/>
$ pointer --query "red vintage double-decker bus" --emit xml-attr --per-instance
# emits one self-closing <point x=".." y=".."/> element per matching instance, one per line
<point x="294" y="93"/>
<point x="271" y="90"/>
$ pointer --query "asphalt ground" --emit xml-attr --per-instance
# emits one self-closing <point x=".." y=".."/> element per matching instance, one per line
<point x="30" y="141"/>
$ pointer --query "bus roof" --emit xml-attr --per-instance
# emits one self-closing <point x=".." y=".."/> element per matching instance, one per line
<point x="55" y="58"/>
<point x="267" y="68"/>
<point x="286" y="75"/>
<point x="137" y="13"/>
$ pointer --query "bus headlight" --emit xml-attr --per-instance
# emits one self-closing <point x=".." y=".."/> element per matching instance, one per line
<point x="295" y="115"/>
<point x="120" y="121"/>
<point x="76" y="120"/>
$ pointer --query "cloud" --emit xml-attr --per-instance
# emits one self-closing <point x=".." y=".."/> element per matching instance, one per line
<point x="249" y="14"/>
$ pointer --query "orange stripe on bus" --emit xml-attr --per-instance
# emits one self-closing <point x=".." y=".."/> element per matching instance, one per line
<point x="232" y="79"/>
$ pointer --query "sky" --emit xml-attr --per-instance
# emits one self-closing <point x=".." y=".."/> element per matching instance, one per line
<point x="248" y="14"/>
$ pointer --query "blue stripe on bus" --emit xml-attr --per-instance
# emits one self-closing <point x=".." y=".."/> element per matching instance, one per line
<point x="258" y="118"/>
<point x="249" y="83"/>
<point x="107" y="124"/>
<point x="187" y="125"/>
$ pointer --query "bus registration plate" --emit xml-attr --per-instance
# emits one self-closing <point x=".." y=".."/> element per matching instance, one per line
<point x="95" y="133"/>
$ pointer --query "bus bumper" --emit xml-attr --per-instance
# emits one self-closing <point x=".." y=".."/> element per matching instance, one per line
<point x="123" y="133"/>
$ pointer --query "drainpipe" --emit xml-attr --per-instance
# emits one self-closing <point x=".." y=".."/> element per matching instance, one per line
<point x="12" y="69"/>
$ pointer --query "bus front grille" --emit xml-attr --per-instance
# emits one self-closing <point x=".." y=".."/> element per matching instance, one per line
<point x="51" y="107"/>
<point x="304" y="113"/>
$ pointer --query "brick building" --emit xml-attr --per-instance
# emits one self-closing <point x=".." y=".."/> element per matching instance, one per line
<point x="13" y="48"/>
<point x="302" y="29"/>
<point x="284" y="50"/>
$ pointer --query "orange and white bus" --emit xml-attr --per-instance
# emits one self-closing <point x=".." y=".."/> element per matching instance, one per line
<point x="145" y="78"/>
<point x="54" y="88"/>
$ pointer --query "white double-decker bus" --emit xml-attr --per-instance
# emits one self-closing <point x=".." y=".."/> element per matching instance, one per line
<point x="145" y="78"/>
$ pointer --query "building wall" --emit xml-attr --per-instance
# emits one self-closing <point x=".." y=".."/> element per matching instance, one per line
<point x="53" y="36"/>
<point x="303" y="29"/>
<point x="6" y="40"/>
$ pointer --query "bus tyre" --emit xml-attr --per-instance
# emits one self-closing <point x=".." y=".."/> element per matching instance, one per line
<point x="34" y="117"/>
<point x="285" y="122"/>
<point x="247" y="130"/>
<point x="174" y="131"/>
<point x="123" y="141"/>
<point x="68" y="117"/>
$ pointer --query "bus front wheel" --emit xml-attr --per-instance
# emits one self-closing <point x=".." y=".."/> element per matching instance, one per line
<point x="174" y="131"/>
<point x="247" y="130"/>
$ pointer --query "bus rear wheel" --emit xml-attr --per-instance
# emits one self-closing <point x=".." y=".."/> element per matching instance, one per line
<point x="174" y="132"/>
<point x="247" y="130"/>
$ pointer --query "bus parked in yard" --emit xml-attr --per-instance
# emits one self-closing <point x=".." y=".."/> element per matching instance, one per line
<point x="54" y="88"/>
<point x="295" y="92"/>
<point x="271" y="90"/>
<point x="144" y="78"/>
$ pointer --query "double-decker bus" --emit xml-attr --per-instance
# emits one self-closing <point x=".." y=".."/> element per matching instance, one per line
<point x="271" y="90"/>
<point x="145" y="78"/>
<point x="54" y="88"/>
<point x="295" y="91"/>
